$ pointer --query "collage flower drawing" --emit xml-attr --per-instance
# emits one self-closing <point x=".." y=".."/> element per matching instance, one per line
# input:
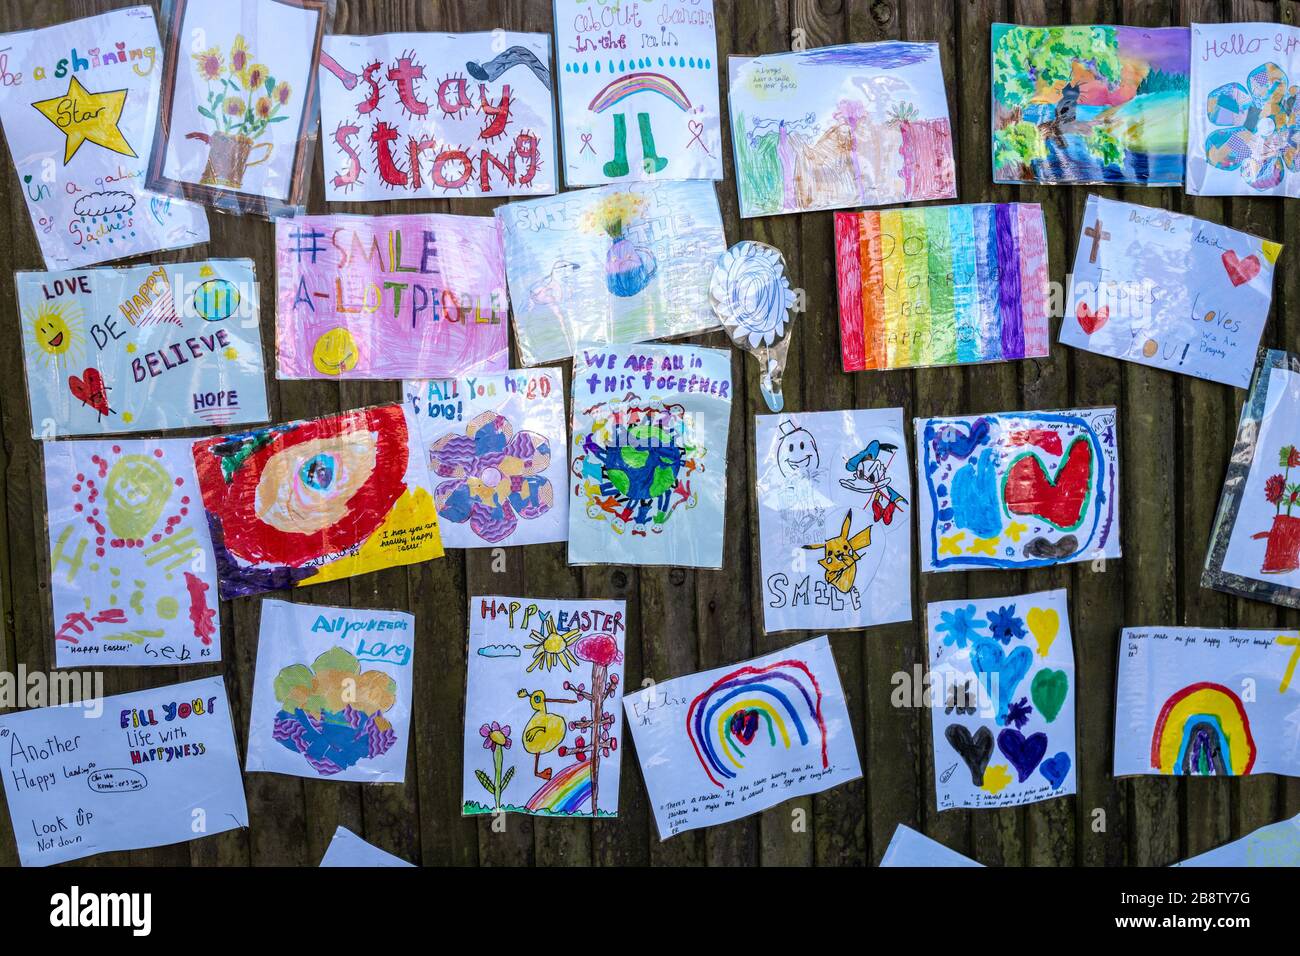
<point x="1258" y="127"/>
<point x="492" y="476"/>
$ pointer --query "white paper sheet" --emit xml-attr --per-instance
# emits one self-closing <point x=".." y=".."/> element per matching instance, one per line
<point x="1277" y="844"/>
<point x="722" y="744"/>
<point x="543" y="725"/>
<point x="238" y="132"/>
<point x="1242" y="130"/>
<point x="151" y="768"/>
<point x="1169" y="291"/>
<point x="142" y="349"/>
<point x="648" y="455"/>
<point x="348" y="849"/>
<point x="1018" y="489"/>
<point x="638" y="90"/>
<point x="437" y="115"/>
<point x="610" y="265"/>
<point x="1265" y="539"/>
<point x="1001" y="694"/>
<point x="332" y="693"/>
<point x="132" y="574"/>
<point x="834" y="519"/>
<point x="1207" y="702"/>
<point x="79" y="102"/>
<point x="496" y="450"/>
<point x="909" y="848"/>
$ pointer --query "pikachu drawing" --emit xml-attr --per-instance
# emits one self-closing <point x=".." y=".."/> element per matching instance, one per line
<point x="842" y="552"/>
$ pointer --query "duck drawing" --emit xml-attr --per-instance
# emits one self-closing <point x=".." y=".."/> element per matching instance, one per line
<point x="544" y="731"/>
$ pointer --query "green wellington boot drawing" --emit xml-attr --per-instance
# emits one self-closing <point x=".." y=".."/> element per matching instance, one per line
<point x="652" y="161"/>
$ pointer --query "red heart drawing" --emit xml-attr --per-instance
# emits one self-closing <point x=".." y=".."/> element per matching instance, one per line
<point x="89" y="388"/>
<point x="1240" y="270"/>
<point x="1089" y="320"/>
<point x="1029" y="491"/>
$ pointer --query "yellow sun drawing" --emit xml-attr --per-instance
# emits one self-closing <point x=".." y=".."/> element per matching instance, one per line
<point x="552" y="647"/>
<point x="55" y="333"/>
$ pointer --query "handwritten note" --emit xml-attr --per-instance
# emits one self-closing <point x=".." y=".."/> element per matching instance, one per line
<point x="138" y="770"/>
<point x="1169" y="291"/>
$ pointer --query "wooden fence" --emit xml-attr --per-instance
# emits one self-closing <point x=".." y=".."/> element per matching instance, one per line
<point x="1176" y="434"/>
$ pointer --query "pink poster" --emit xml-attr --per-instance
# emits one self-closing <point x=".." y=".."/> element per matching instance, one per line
<point x="389" y="297"/>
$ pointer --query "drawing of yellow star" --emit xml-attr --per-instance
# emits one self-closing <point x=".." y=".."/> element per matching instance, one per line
<point x="983" y="545"/>
<point x="952" y="543"/>
<point x="996" y="779"/>
<point x="1015" y="530"/>
<point x="83" y="115"/>
<point x="552" y="647"/>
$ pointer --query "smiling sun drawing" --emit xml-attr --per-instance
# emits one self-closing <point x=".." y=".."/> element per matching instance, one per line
<point x="55" y="333"/>
<point x="551" y="647"/>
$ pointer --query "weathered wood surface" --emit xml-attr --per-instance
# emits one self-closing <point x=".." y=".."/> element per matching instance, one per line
<point x="1176" y="434"/>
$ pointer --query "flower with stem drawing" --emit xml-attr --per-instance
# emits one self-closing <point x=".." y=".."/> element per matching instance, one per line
<point x="243" y="98"/>
<point x="496" y="738"/>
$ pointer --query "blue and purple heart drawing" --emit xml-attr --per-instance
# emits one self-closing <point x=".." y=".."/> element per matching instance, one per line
<point x="1056" y="769"/>
<point x="1023" y="752"/>
<point x="1000" y="673"/>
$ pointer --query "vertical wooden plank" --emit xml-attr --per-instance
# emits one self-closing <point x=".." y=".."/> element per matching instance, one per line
<point x="1255" y="800"/>
<point x="896" y="751"/>
<point x="1045" y="384"/>
<point x="838" y="822"/>
<point x="1096" y="617"/>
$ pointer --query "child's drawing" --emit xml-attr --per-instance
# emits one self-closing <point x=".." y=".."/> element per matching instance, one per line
<point x="1243" y="137"/>
<point x="720" y="745"/>
<point x="1204" y="702"/>
<point x="1089" y="104"/>
<point x="332" y="692"/>
<point x="542" y="699"/>
<point x="132" y="573"/>
<point x="1255" y="548"/>
<point x="638" y="91"/>
<point x="1002" y="693"/>
<point x="863" y="124"/>
<point x="834" y="500"/>
<point x="1018" y="489"/>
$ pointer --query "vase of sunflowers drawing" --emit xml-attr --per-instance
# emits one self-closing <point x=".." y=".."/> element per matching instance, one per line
<point x="628" y="267"/>
<point x="244" y="99"/>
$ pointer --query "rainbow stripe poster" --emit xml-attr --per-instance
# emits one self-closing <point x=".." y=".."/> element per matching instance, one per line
<point x="722" y="744"/>
<point x="1207" y="702"/>
<point x="942" y="285"/>
<point x="543" y="725"/>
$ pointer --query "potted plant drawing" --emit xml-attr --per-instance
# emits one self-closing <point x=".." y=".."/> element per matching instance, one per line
<point x="1282" y="554"/>
<point x="496" y="738"/>
<point x="244" y="99"/>
<point x="628" y="267"/>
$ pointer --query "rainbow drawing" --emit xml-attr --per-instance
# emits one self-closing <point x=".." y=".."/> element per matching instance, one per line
<point x="565" y="792"/>
<point x="1203" y="730"/>
<point x="941" y="285"/>
<point x="633" y="83"/>
<point x="780" y="698"/>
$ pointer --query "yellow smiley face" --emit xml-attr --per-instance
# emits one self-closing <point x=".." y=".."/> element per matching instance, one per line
<point x="335" y="352"/>
<point x="54" y="333"/>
